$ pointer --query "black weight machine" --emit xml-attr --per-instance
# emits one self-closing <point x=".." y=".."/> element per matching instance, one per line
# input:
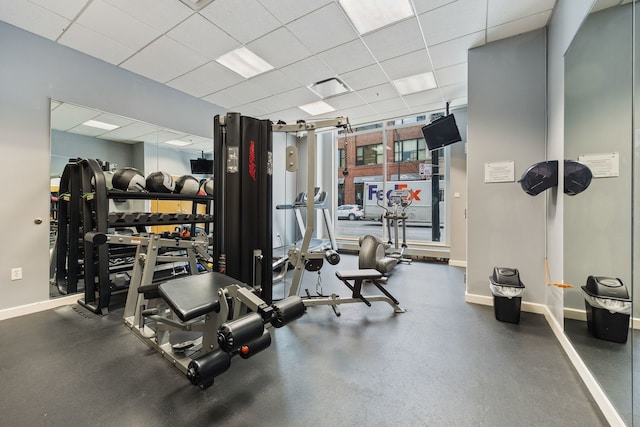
<point x="303" y="258"/>
<point x="200" y="322"/>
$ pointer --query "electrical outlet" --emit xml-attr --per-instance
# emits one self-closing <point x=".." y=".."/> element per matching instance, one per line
<point x="16" y="273"/>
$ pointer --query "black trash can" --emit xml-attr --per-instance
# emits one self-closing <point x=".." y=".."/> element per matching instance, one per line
<point x="608" y="307"/>
<point x="507" y="290"/>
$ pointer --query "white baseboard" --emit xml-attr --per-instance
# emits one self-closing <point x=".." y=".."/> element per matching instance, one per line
<point x="458" y="263"/>
<point x="603" y="402"/>
<point x="22" y="310"/>
<point x="577" y="314"/>
<point x="529" y="307"/>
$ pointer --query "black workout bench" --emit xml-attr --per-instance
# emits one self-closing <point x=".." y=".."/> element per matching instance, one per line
<point x="358" y="277"/>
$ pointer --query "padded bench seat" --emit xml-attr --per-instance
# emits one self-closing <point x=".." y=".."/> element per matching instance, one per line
<point x="366" y="274"/>
<point x="193" y="296"/>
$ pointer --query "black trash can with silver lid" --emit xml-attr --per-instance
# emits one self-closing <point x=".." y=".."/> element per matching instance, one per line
<point x="507" y="290"/>
<point x="608" y="307"/>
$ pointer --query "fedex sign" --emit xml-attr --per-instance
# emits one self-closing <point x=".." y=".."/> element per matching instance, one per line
<point x="414" y="194"/>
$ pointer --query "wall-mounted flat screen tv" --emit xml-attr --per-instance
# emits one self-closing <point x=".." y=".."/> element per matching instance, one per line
<point x="441" y="132"/>
<point x="201" y="166"/>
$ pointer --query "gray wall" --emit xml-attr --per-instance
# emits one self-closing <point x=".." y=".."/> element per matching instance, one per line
<point x="65" y="145"/>
<point x="34" y="70"/>
<point x="598" y="119"/>
<point x="507" y="121"/>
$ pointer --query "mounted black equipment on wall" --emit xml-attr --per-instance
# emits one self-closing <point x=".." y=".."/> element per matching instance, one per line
<point x="539" y="177"/>
<point x="201" y="166"/>
<point x="577" y="177"/>
<point x="441" y="132"/>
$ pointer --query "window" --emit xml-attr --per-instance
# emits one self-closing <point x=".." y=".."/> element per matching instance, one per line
<point x="341" y="157"/>
<point x="410" y="150"/>
<point x="369" y="155"/>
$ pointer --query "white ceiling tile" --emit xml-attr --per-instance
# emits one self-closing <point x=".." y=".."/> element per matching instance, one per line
<point x="365" y="77"/>
<point x="356" y="113"/>
<point x="289" y="116"/>
<point x="426" y="97"/>
<point x="519" y="26"/>
<point x="132" y="132"/>
<point x="407" y="65"/>
<point x="275" y="82"/>
<point x="455" y="51"/>
<point x="245" y="20"/>
<point x="240" y="94"/>
<point x="457" y="90"/>
<point x="503" y="11"/>
<point x="282" y="101"/>
<point x="66" y="8"/>
<point x="450" y="75"/>
<point x="323" y="29"/>
<point x="347" y="57"/>
<point x="113" y="23"/>
<point x="33" y="18"/>
<point x="159" y="14"/>
<point x="209" y="78"/>
<point x="395" y="40"/>
<point x="308" y="71"/>
<point x="392" y="104"/>
<point x="86" y="130"/>
<point x="204" y="37"/>
<point x="67" y="116"/>
<point x="428" y="108"/>
<point x="114" y="119"/>
<point x="378" y="93"/>
<point x="164" y="60"/>
<point x="252" y="110"/>
<point x="83" y="39"/>
<point x="271" y="48"/>
<point x="288" y="10"/>
<point x="348" y="100"/>
<point x="423" y="6"/>
<point x="454" y="20"/>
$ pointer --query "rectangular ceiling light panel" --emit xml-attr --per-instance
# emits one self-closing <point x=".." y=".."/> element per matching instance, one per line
<point x="244" y="62"/>
<point x="318" y="107"/>
<point x="100" y="125"/>
<point x="370" y="15"/>
<point x="416" y="83"/>
<point x="178" y="143"/>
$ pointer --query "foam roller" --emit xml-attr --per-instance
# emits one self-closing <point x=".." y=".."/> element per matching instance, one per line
<point x="204" y="369"/>
<point x="254" y="347"/>
<point x="232" y="335"/>
<point x="287" y="310"/>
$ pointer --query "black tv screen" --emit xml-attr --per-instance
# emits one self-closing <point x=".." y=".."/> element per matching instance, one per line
<point x="202" y="166"/>
<point x="441" y="132"/>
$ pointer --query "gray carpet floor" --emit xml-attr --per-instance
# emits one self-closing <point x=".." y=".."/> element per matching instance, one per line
<point x="442" y="363"/>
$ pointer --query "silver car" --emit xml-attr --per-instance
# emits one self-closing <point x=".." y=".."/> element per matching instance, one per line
<point x="350" y="212"/>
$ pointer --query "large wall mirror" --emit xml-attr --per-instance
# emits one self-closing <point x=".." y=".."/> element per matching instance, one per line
<point x="86" y="133"/>
<point x="598" y="223"/>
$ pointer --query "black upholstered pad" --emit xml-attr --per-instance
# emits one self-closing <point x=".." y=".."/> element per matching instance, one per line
<point x="368" y="273"/>
<point x="193" y="296"/>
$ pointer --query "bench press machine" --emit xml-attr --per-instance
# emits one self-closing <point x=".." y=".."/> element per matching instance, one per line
<point x="225" y="315"/>
<point x="229" y="315"/>
<point x="304" y="259"/>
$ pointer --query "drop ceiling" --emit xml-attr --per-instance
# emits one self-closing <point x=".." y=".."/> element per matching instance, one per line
<point x="306" y="41"/>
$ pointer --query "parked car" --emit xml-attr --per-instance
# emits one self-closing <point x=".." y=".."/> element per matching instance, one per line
<point x="350" y="212"/>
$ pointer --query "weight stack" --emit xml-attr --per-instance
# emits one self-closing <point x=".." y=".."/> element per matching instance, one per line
<point x="243" y="181"/>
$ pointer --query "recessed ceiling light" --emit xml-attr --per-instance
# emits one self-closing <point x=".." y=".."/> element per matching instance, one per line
<point x="178" y="142"/>
<point x="373" y="14"/>
<point x="318" y="107"/>
<point x="197" y="4"/>
<point x="329" y="87"/>
<point x="417" y="83"/>
<point x="244" y="62"/>
<point x="100" y="125"/>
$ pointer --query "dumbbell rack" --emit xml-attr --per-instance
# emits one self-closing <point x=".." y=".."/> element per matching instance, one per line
<point x="84" y="208"/>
